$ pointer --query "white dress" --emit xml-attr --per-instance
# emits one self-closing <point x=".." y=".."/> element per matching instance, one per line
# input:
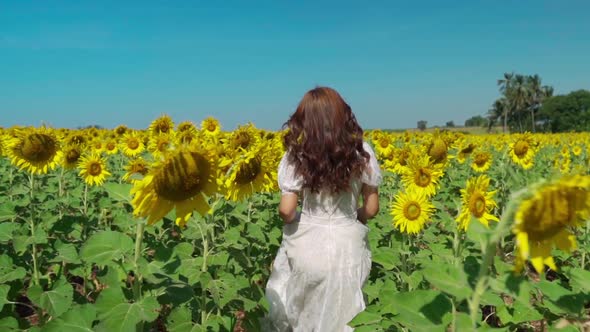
<point x="324" y="259"/>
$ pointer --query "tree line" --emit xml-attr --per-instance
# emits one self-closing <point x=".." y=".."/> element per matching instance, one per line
<point x="526" y="104"/>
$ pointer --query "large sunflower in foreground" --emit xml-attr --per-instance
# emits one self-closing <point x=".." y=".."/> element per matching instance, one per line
<point x="422" y="175"/>
<point x="93" y="169"/>
<point x="478" y="202"/>
<point x="35" y="150"/>
<point x="546" y="217"/>
<point x="249" y="173"/>
<point x="180" y="181"/>
<point x="411" y="210"/>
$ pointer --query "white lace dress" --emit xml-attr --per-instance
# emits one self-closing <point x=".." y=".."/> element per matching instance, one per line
<point x="324" y="258"/>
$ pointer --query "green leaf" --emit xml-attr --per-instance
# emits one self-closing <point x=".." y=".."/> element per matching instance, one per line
<point x="119" y="191"/>
<point x="419" y="310"/>
<point x="125" y="316"/>
<point x="580" y="279"/>
<point x="109" y="298"/>
<point x="56" y="301"/>
<point x="9" y="324"/>
<point x="386" y="258"/>
<point x="11" y="274"/>
<point x="79" y="319"/>
<point x="66" y="252"/>
<point x="449" y="279"/>
<point x="4" y="289"/>
<point x="180" y="320"/>
<point x="7" y="211"/>
<point x="106" y="246"/>
<point x="6" y="229"/>
<point x="365" y="318"/>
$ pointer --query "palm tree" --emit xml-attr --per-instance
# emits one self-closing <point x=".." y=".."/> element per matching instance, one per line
<point x="499" y="109"/>
<point x="519" y="96"/>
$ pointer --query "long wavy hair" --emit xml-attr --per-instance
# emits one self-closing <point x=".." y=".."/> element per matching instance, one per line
<point x="325" y="142"/>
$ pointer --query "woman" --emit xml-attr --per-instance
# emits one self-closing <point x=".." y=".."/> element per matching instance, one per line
<point x="324" y="258"/>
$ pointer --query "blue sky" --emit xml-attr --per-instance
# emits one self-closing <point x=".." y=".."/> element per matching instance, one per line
<point x="74" y="63"/>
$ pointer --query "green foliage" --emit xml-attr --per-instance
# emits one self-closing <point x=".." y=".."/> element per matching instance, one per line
<point x="569" y="112"/>
<point x="476" y="121"/>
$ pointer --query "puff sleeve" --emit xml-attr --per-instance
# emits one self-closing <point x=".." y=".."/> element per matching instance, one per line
<point x="372" y="174"/>
<point x="289" y="182"/>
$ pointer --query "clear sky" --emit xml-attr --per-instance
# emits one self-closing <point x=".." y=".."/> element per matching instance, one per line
<point x="75" y="63"/>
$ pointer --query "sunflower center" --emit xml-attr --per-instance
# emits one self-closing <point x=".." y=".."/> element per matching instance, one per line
<point x="95" y="169"/>
<point x="133" y="143"/>
<point x="249" y="171"/>
<point x="481" y="159"/>
<point x="72" y="156"/>
<point x="412" y="211"/>
<point x="39" y="147"/>
<point x="552" y="211"/>
<point x="77" y="139"/>
<point x="468" y="149"/>
<point x="384" y="143"/>
<point x="121" y="130"/>
<point x="184" y="127"/>
<point x="139" y="168"/>
<point x="211" y="127"/>
<point x="162" y="145"/>
<point x="242" y="140"/>
<point x="163" y="127"/>
<point x="438" y="150"/>
<point x="477" y="204"/>
<point x="521" y="148"/>
<point x="111" y="146"/>
<point x="403" y="156"/>
<point x="182" y="176"/>
<point x="98" y="145"/>
<point x="423" y="177"/>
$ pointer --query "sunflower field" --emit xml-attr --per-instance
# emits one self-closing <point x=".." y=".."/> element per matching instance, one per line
<point x="175" y="227"/>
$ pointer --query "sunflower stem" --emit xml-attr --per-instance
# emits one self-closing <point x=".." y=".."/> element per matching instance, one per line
<point x="138" y="277"/>
<point x="487" y="260"/>
<point x="32" y="225"/>
<point x="205" y="240"/>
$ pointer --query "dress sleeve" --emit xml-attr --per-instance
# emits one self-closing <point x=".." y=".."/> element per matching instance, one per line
<point x="372" y="173"/>
<point x="289" y="182"/>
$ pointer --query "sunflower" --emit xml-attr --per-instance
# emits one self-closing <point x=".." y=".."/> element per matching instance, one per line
<point x="97" y="145"/>
<point x="76" y="138"/>
<point x="577" y="150"/>
<point x="180" y="181"/>
<point x="93" y="169"/>
<point x="111" y="146"/>
<point x="161" y="125"/>
<point x="383" y="145"/>
<point x="132" y="144"/>
<point x="249" y="173"/>
<point x="210" y="126"/>
<point x="159" y="144"/>
<point x="482" y="161"/>
<point x="522" y="150"/>
<point x="242" y="139"/>
<point x="438" y="149"/>
<point x="72" y="154"/>
<point x="410" y="211"/>
<point x="186" y="132"/>
<point x="422" y="175"/>
<point x="135" y="167"/>
<point x="120" y="130"/>
<point x="34" y="150"/>
<point x="478" y="202"/>
<point x="544" y="218"/>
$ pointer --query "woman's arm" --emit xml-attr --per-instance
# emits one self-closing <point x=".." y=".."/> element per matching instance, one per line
<point x="370" y="206"/>
<point x="288" y="207"/>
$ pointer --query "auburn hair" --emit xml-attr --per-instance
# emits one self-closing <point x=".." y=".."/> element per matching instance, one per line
<point x="325" y="142"/>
